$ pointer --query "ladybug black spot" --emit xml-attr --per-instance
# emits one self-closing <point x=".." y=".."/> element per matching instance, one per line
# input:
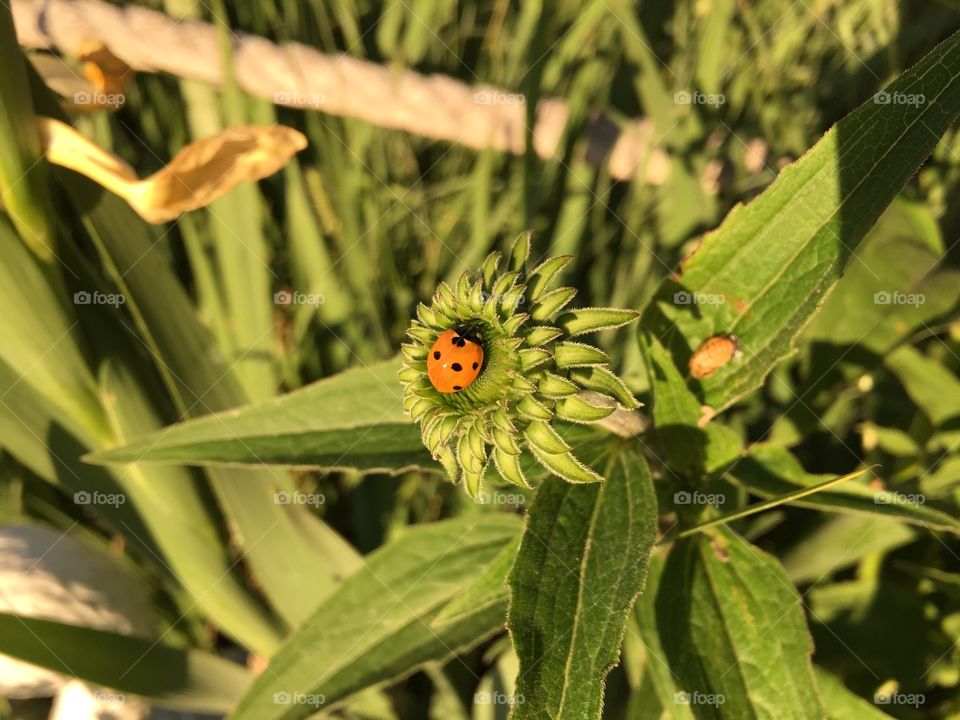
<point x="436" y="354"/>
<point x="457" y="387"/>
<point x="457" y="367"/>
<point x="459" y="341"/>
<point x="475" y="366"/>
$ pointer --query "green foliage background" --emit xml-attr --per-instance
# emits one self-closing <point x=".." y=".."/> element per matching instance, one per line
<point x="389" y="598"/>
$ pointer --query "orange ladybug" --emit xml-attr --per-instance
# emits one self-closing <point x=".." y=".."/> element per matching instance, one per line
<point x="712" y="355"/>
<point x="455" y="360"/>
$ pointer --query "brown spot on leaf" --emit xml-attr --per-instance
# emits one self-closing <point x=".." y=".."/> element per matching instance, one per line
<point x="720" y="550"/>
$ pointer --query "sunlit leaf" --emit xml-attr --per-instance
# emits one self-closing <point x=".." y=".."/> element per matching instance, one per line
<point x="187" y="679"/>
<point x="581" y="564"/>
<point x="352" y="420"/>
<point x="378" y="625"/>
<point x="733" y="630"/>
<point x="762" y="275"/>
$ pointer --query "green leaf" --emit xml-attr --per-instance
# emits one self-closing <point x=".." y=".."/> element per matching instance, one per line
<point x="713" y="46"/>
<point x="186" y="679"/>
<point x="489" y="589"/>
<point x="676" y="418"/>
<point x="943" y="481"/>
<point x="733" y="629"/>
<point x="934" y="389"/>
<point x="841" y="542"/>
<point x="25" y="420"/>
<point x="896" y="262"/>
<point x="675" y="408"/>
<point x="764" y="272"/>
<point x="770" y="471"/>
<point x="354" y="420"/>
<point x="274" y="547"/>
<point x="656" y="669"/>
<point x="890" y="440"/>
<point x="23" y="174"/>
<point x="842" y="703"/>
<point x="42" y="340"/>
<point x="33" y="432"/>
<point x="179" y="523"/>
<point x="377" y="626"/>
<point x="241" y="249"/>
<point x="496" y="690"/>
<point x="581" y="564"/>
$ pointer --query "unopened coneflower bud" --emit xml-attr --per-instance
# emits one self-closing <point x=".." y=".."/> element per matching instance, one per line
<point x="496" y="385"/>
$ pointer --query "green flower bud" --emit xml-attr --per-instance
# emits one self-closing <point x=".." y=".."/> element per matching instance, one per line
<point x="532" y="375"/>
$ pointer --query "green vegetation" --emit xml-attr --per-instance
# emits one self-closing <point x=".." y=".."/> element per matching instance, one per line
<point x="235" y="406"/>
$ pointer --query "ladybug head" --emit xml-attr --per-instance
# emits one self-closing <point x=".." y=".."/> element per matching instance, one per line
<point x="468" y="332"/>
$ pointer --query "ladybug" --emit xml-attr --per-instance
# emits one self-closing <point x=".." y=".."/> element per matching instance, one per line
<point x="712" y="355"/>
<point x="455" y="360"/>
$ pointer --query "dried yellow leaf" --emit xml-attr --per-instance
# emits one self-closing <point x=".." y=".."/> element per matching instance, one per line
<point x="101" y="86"/>
<point x="106" y="71"/>
<point x="199" y="174"/>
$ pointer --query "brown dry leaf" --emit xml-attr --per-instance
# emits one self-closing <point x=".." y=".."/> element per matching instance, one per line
<point x="199" y="174"/>
<point x="211" y="167"/>
<point x="101" y="86"/>
<point x="106" y="71"/>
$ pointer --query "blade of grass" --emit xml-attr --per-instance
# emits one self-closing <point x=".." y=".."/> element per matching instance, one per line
<point x="772" y="503"/>
<point x="172" y="677"/>
<point x="23" y="174"/>
<point x="242" y="252"/>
